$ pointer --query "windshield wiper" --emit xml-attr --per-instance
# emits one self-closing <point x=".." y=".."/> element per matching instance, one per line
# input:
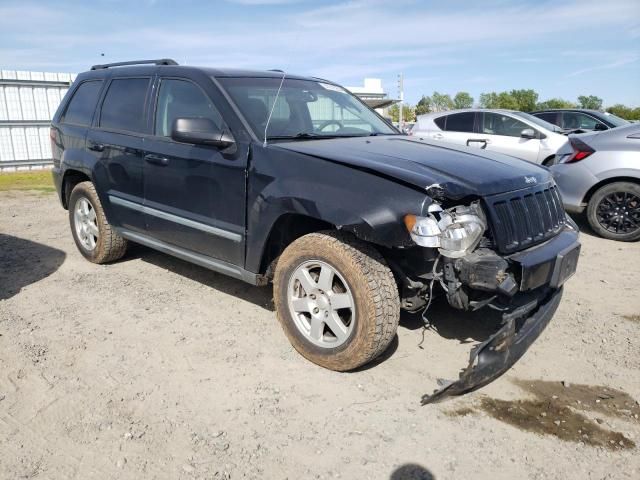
<point x="300" y="136"/>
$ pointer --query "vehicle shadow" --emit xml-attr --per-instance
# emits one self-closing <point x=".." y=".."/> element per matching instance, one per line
<point x="411" y="471"/>
<point x="583" y="225"/>
<point x="260" y="296"/>
<point x="23" y="262"/>
<point x="453" y="324"/>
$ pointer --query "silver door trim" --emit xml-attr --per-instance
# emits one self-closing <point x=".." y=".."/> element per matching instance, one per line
<point x="219" y="232"/>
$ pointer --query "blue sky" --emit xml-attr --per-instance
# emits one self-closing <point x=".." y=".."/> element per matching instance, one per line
<point x="560" y="49"/>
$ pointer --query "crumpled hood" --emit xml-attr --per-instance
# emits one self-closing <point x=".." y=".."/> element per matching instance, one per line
<point x="458" y="171"/>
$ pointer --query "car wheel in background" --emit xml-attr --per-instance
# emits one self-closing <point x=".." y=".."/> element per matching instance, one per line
<point x="614" y="211"/>
<point x="336" y="300"/>
<point x="97" y="241"/>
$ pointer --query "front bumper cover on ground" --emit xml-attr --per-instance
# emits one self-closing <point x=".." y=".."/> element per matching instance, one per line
<point x="493" y="357"/>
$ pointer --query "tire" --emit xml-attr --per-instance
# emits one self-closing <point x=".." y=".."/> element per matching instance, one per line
<point x="107" y="245"/>
<point x="362" y="274"/>
<point x="624" y="196"/>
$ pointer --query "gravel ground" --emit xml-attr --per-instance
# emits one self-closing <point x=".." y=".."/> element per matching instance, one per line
<point x="155" y="368"/>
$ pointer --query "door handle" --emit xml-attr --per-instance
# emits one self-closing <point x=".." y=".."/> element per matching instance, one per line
<point x="437" y="136"/>
<point x="478" y="140"/>
<point x="157" y="160"/>
<point x="96" y="147"/>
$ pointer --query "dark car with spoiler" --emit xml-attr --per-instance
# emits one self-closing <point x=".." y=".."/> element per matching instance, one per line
<point x="270" y="177"/>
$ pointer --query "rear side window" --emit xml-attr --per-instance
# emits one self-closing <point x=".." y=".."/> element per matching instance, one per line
<point x="550" y="117"/>
<point x="460" y="122"/>
<point x="123" y="105"/>
<point x="182" y="99"/>
<point x="83" y="103"/>
<point x="441" y="122"/>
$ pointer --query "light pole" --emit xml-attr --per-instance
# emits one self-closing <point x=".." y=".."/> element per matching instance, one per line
<point x="401" y="96"/>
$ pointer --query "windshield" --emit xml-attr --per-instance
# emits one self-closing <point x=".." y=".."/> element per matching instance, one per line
<point x="538" y="121"/>
<point x="304" y="109"/>
<point x="615" y="120"/>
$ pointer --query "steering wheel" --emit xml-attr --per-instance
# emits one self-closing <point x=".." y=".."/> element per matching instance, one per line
<point x="326" y="123"/>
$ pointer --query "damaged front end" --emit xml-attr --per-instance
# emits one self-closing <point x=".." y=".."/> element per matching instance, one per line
<point x="465" y="261"/>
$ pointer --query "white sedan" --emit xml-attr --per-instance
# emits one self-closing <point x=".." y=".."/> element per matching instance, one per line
<point x="506" y="131"/>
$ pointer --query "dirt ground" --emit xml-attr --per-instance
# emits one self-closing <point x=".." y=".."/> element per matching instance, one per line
<point x="155" y="368"/>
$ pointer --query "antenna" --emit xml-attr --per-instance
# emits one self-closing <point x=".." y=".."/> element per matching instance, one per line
<point x="264" y="144"/>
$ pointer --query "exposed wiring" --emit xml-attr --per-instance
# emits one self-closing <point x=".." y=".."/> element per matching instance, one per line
<point x="434" y="276"/>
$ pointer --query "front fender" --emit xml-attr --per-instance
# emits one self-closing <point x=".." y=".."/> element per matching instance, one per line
<point x="370" y="206"/>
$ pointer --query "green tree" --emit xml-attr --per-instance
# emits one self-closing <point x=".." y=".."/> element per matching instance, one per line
<point x="441" y="102"/>
<point x="489" y="100"/>
<point x="507" y="101"/>
<point x="408" y="113"/>
<point x="525" y="99"/>
<point x="423" y="106"/>
<point x="463" y="100"/>
<point x="555" y="103"/>
<point x="625" y="112"/>
<point x="590" y="101"/>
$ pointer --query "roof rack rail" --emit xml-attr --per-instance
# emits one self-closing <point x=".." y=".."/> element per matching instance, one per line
<point x="160" y="61"/>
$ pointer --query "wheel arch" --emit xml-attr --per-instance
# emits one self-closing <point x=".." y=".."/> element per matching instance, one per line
<point x="284" y="231"/>
<point x="605" y="182"/>
<point x="70" y="179"/>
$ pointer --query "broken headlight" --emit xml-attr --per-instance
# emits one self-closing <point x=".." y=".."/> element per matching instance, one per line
<point x="455" y="231"/>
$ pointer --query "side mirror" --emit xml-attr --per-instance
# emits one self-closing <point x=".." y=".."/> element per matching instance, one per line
<point x="200" y="131"/>
<point x="600" y="127"/>
<point x="528" y="133"/>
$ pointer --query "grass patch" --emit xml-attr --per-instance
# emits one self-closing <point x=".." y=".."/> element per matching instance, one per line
<point x="39" y="180"/>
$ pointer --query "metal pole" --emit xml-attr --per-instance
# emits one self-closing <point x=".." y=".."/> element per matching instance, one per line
<point x="401" y="95"/>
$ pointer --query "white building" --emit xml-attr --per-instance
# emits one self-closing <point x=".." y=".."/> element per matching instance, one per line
<point x="373" y="94"/>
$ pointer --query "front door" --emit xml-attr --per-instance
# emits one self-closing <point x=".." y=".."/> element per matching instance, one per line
<point x="194" y="194"/>
<point x="503" y="134"/>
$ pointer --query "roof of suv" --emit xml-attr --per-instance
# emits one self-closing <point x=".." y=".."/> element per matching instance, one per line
<point x="174" y="69"/>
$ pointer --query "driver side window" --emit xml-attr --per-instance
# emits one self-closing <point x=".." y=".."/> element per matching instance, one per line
<point x="499" y="124"/>
<point x="182" y="99"/>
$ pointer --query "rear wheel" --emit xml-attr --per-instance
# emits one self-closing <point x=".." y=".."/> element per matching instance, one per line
<point x="97" y="241"/>
<point x="614" y="211"/>
<point x="336" y="300"/>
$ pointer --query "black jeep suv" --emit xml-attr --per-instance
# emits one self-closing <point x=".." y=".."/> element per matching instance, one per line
<point x="266" y="176"/>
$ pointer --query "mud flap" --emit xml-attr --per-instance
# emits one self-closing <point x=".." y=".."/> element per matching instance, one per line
<point x="493" y="357"/>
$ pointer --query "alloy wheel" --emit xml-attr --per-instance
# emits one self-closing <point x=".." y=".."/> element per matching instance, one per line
<point x="321" y="304"/>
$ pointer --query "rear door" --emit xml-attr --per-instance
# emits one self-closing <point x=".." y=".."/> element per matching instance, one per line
<point x="458" y="128"/>
<point x="116" y="141"/>
<point x="194" y="194"/>
<point x="503" y="133"/>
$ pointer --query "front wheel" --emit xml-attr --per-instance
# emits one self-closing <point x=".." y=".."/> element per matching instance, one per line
<point x="614" y="211"/>
<point x="336" y="300"/>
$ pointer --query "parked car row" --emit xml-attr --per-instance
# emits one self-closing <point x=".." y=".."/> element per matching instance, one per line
<point x="504" y="131"/>
<point x="598" y="173"/>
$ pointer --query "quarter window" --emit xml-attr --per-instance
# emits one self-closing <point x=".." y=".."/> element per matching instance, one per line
<point x="460" y="122"/>
<point x="441" y="122"/>
<point x="83" y="103"/>
<point x="123" y="106"/>
<point x="499" y="124"/>
<point x="182" y="99"/>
